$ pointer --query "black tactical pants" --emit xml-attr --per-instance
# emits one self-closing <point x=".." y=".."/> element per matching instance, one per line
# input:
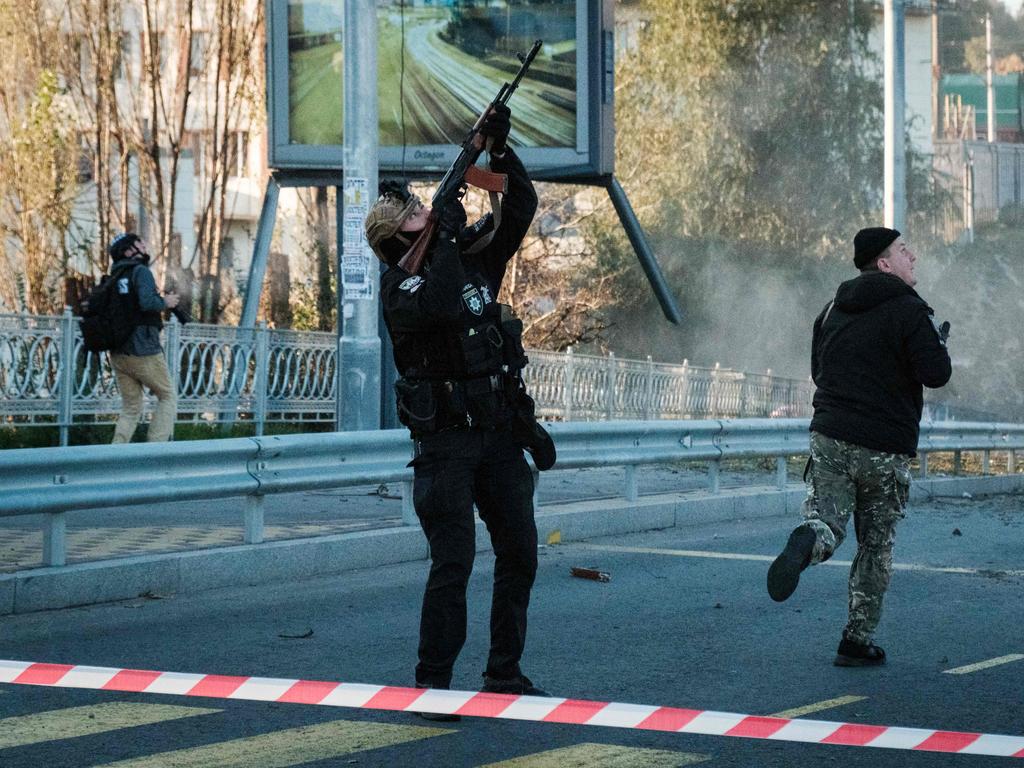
<point x="453" y="470"/>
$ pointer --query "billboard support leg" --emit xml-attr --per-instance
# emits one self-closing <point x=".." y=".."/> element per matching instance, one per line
<point x="254" y="287"/>
<point x="638" y="240"/>
<point x="260" y="251"/>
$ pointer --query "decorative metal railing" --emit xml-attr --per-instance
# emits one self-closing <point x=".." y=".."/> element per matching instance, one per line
<point x="266" y="375"/>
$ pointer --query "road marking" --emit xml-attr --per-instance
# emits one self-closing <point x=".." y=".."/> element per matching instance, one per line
<point x="604" y="755"/>
<point x="73" y="722"/>
<point x="984" y="664"/>
<point x="769" y="558"/>
<point x="820" y="706"/>
<point x="294" y="746"/>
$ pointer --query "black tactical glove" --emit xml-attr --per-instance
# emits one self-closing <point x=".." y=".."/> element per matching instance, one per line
<point x="944" y="331"/>
<point x="451" y="220"/>
<point x="496" y="126"/>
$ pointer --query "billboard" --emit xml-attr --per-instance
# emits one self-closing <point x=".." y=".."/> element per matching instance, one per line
<point x="439" y="63"/>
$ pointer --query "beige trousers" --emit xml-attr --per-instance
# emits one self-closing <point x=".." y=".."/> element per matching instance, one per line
<point x="132" y="374"/>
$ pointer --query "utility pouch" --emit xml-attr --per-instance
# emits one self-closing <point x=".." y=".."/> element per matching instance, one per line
<point x="513" y="353"/>
<point x="417" y="407"/>
<point x="481" y="349"/>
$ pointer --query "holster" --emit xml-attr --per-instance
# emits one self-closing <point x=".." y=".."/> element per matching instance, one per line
<point x="528" y="432"/>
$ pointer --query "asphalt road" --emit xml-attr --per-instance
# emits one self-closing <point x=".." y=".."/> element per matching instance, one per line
<point x="668" y="629"/>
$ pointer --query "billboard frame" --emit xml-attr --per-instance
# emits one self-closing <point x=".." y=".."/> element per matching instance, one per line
<point x="591" y="161"/>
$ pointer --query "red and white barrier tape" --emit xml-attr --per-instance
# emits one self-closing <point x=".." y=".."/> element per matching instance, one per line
<point x="508" y="707"/>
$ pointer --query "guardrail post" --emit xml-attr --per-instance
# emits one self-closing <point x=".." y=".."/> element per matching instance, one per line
<point x="262" y="374"/>
<point x="1011" y="462"/>
<point x="958" y="462"/>
<point x="609" y="375"/>
<point x="986" y="461"/>
<point x="632" y="493"/>
<point x="66" y="387"/>
<point x="55" y="539"/>
<point x="924" y="464"/>
<point x="781" y="475"/>
<point x="569" y="366"/>
<point x="408" y="510"/>
<point x="253" y="519"/>
<point x="649" y="391"/>
<point x="714" y="479"/>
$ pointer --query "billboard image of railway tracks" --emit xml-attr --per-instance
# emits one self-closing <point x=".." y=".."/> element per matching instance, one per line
<point x="439" y="65"/>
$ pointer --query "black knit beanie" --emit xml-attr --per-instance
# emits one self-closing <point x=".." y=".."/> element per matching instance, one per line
<point x="870" y="242"/>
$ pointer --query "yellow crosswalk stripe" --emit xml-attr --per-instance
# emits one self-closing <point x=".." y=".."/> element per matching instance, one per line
<point x="818" y="706"/>
<point x="984" y="664"/>
<point x="605" y="755"/>
<point x="89" y="720"/>
<point x="282" y="749"/>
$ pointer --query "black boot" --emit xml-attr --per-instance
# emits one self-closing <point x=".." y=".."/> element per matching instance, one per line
<point x="784" y="573"/>
<point x="851" y="654"/>
<point x="519" y="686"/>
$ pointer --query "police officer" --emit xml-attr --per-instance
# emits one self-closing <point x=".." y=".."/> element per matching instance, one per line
<point x="459" y="354"/>
<point x="874" y="347"/>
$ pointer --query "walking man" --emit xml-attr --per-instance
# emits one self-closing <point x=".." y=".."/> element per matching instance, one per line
<point x="874" y="347"/>
<point x="460" y="356"/>
<point x="140" y="361"/>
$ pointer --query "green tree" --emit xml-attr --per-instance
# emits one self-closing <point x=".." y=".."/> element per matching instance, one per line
<point x="750" y="141"/>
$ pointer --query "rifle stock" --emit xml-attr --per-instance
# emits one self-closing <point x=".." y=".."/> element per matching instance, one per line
<point x="412" y="262"/>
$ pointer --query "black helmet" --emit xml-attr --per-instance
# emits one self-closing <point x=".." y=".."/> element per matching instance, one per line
<point x="120" y="244"/>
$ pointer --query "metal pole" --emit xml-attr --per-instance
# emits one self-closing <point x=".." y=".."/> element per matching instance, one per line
<point x="643" y="251"/>
<point x="895" y="108"/>
<point x="990" y="90"/>
<point x="936" y="73"/>
<point x="260" y="250"/>
<point x="359" y="374"/>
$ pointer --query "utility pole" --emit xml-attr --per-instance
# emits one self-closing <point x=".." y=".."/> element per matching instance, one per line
<point x="357" y="371"/>
<point x="936" y="74"/>
<point x="895" y="109"/>
<point x="990" y="90"/>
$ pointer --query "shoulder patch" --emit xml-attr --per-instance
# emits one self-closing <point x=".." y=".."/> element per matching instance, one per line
<point x="411" y="284"/>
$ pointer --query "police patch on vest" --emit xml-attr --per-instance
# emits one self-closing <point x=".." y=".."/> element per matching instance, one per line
<point x="411" y="284"/>
<point x="474" y="301"/>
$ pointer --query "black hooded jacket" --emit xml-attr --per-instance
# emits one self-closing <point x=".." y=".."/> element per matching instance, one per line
<point x="874" y="348"/>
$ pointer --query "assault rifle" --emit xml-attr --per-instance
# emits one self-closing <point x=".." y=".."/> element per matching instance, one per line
<point x="464" y="171"/>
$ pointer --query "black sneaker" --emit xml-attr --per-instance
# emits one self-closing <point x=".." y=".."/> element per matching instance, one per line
<point x="784" y="573"/>
<point x="438" y="717"/>
<point x="517" y="686"/>
<point x="851" y="654"/>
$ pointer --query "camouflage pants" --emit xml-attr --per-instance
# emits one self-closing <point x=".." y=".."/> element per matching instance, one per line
<point x="873" y="486"/>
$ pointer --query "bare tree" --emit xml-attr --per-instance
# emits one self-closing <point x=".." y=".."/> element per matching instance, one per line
<point x="37" y="160"/>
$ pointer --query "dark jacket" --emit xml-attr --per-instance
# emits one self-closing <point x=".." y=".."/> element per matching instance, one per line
<point x="446" y="325"/>
<point x="141" y="294"/>
<point x="874" y="347"/>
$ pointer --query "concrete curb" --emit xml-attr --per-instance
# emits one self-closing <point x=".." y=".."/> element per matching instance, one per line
<point x="43" y="589"/>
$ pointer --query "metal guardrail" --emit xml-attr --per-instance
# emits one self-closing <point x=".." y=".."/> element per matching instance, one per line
<point x="55" y="481"/>
<point x="267" y="375"/>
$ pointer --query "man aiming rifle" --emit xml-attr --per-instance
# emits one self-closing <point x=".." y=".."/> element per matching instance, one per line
<point x="460" y="357"/>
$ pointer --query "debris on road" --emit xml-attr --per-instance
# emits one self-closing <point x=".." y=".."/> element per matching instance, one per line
<point x="301" y="636"/>
<point x="956" y="532"/>
<point x="590" y="573"/>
